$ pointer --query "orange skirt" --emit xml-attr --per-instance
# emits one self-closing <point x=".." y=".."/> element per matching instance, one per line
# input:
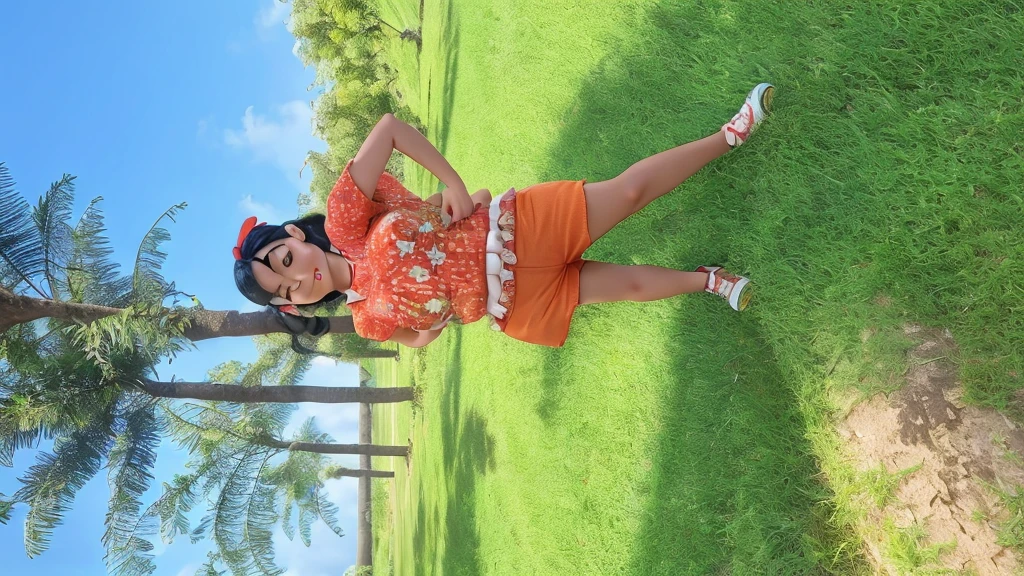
<point x="550" y="238"/>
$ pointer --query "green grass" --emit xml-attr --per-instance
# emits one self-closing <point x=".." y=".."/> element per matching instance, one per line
<point x="880" y="485"/>
<point x="678" y="437"/>
<point x="909" y="554"/>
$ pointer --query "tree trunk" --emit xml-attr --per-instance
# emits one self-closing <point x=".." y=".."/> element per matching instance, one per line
<point x="364" y="506"/>
<point x="366" y="450"/>
<point x="206" y="324"/>
<point x="15" y="309"/>
<point x="351" y="473"/>
<point x="275" y="394"/>
<point x="221" y="323"/>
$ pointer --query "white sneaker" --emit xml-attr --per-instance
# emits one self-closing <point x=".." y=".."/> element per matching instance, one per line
<point x="750" y="116"/>
<point x="735" y="289"/>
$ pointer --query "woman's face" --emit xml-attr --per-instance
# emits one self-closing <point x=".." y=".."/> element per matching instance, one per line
<point x="298" y="272"/>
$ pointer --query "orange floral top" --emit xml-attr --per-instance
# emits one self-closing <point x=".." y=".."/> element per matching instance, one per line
<point x="412" y="270"/>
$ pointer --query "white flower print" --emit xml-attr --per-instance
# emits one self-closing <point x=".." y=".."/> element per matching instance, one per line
<point x="434" y="306"/>
<point x="419" y="274"/>
<point x="404" y="247"/>
<point x="427" y="228"/>
<point x="436" y="256"/>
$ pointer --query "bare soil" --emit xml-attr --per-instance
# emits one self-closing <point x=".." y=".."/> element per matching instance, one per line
<point x="965" y="454"/>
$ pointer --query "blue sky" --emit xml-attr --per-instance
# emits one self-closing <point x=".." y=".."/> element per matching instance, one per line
<point x="150" y="104"/>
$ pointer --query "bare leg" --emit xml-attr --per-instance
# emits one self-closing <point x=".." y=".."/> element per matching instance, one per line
<point x="612" y="201"/>
<point x="604" y="282"/>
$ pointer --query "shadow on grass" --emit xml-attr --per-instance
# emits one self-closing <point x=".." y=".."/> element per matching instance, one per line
<point x="467" y="453"/>
<point x="734" y="488"/>
<point x="450" y="48"/>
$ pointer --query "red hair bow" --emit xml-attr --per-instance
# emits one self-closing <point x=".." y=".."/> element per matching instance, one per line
<point x="247" y="227"/>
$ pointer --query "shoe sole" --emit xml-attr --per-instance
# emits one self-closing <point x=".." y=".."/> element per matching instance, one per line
<point x="746" y="294"/>
<point x="765" y="94"/>
<point x="740" y="299"/>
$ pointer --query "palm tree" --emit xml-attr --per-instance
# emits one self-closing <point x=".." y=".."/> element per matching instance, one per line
<point x="51" y="269"/>
<point x="233" y="450"/>
<point x="89" y="387"/>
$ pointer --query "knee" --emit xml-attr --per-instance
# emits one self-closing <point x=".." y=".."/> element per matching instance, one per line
<point x="633" y="191"/>
<point x="635" y="289"/>
<point x="635" y="196"/>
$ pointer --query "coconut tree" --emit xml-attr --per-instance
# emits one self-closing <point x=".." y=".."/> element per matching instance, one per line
<point x="82" y="374"/>
<point x="54" y="269"/>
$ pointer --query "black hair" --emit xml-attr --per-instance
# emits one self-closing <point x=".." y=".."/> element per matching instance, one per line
<point x="312" y="226"/>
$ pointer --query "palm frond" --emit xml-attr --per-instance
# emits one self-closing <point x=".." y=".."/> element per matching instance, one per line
<point x="21" y="249"/>
<point x="92" y="277"/>
<point x="52" y="482"/>
<point x="6" y="506"/>
<point x="51" y="216"/>
<point x="306" y="519"/>
<point x="259" y="539"/>
<point x="287" y="505"/>
<point x="12" y="441"/>
<point x="294" y="369"/>
<point x="180" y="426"/>
<point x="326" y="510"/>
<point x="148" y="285"/>
<point x="130" y="463"/>
<point x="176" y="502"/>
<point x="209" y="568"/>
<point x="266" y="419"/>
<point x="147" y="334"/>
<point x="27" y="418"/>
<point x="243" y="516"/>
<point x="21" y="354"/>
<point x="298" y="481"/>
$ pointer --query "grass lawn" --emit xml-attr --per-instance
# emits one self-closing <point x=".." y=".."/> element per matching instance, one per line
<point x="679" y="437"/>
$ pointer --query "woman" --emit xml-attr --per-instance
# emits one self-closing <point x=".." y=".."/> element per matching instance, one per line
<point x="407" y="266"/>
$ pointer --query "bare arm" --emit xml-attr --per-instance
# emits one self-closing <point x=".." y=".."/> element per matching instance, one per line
<point x="414" y="339"/>
<point x="480" y="198"/>
<point x="393" y="134"/>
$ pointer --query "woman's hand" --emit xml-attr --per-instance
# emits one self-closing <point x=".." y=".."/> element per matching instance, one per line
<point x="481" y="197"/>
<point x="456" y="202"/>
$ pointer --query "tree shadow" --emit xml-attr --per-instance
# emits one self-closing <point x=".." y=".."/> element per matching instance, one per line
<point x="450" y="45"/>
<point x="734" y="487"/>
<point x="467" y="453"/>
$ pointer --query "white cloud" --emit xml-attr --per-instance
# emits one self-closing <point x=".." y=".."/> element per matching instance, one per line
<point x="341" y="421"/>
<point x="263" y="211"/>
<point x="272" y="14"/>
<point x="324" y="361"/>
<point x="282" y="139"/>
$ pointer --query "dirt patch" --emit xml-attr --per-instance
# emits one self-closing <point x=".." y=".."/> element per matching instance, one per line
<point x="963" y="451"/>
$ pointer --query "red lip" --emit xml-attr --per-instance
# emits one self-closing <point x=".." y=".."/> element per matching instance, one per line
<point x="316" y="274"/>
